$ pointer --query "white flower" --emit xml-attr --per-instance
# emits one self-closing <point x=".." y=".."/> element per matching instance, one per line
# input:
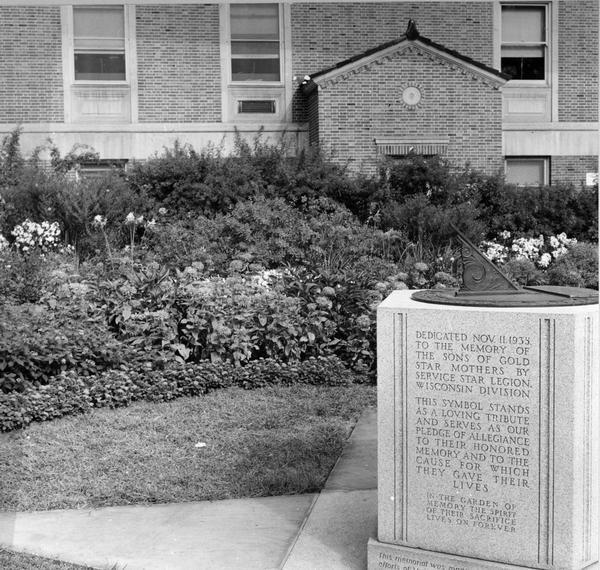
<point x="162" y="211"/>
<point x="130" y="219"/>
<point x="544" y="260"/>
<point x="495" y="251"/>
<point x="29" y="235"/>
<point x="561" y="250"/>
<point x="99" y="221"/>
<point x="151" y="224"/>
<point x="139" y="220"/>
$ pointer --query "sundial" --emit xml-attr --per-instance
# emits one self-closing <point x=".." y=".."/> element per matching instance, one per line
<point x="485" y="285"/>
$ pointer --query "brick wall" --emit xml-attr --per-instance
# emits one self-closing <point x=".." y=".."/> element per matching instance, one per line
<point x="179" y="64"/>
<point x="572" y="169"/>
<point x="324" y="34"/>
<point x="578" y="60"/>
<point x="454" y="106"/>
<point x="31" y="85"/>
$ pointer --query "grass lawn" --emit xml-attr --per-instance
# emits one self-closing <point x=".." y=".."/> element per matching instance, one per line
<point x="228" y="444"/>
<point x="19" y="561"/>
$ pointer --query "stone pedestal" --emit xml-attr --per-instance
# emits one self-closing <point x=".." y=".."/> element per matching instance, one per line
<point x="488" y="437"/>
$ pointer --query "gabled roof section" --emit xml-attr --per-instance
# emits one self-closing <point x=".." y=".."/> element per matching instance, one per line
<point x="411" y="37"/>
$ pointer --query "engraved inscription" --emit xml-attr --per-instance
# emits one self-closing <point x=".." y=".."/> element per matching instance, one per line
<point x="472" y="402"/>
<point x="392" y="561"/>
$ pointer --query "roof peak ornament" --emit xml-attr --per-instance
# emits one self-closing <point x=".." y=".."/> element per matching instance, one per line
<point x="412" y="33"/>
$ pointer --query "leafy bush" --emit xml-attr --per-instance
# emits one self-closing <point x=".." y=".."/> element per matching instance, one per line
<point x="271" y="233"/>
<point x="36" y="344"/>
<point x="73" y="394"/>
<point x="429" y="225"/>
<point x="577" y="268"/>
<point x="546" y="210"/>
<point x="237" y="321"/>
<point x="523" y="271"/>
<point x="183" y="314"/>
<point x="76" y="204"/>
<point x="11" y="159"/>
<point x="184" y="180"/>
<point x="182" y="243"/>
<point x="346" y="304"/>
<point x="415" y="175"/>
<point x="23" y="278"/>
<point x="424" y="195"/>
<point x="31" y="196"/>
<point x="207" y="182"/>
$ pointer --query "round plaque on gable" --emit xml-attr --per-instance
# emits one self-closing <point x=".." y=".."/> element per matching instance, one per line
<point x="411" y="95"/>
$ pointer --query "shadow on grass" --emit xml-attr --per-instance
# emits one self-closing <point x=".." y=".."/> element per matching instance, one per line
<point x="291" y="461"/>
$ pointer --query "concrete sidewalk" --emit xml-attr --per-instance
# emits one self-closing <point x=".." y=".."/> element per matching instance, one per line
<point x="327" y="531"/>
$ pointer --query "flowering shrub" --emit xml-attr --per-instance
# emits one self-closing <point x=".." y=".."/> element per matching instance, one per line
<point x="134" y="224"/>
<point x="256" y="270"/>
<point x="30" y="236"/>
<point x="528" y="248"/>
<point x="541" y="251"/>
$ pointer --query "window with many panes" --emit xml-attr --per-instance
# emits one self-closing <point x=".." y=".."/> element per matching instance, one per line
<point x="524" y="41"/>
<point x="255" y="42"/>
<point x="99" y="43"/>
<point x="527" y="171"/>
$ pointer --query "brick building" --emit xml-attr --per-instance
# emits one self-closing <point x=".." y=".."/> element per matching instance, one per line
<point x="497" y="83"/>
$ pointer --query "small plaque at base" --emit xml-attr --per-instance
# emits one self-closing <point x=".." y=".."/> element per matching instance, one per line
<point x="382" y="556"/>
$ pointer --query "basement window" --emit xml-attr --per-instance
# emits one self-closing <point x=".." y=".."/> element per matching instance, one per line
<point x="96" y="170"/>
<point x="260" y="107"/>
<point x="527" y="171"/>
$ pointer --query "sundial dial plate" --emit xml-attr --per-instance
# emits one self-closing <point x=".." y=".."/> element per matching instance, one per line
<point x="485" y="285"/>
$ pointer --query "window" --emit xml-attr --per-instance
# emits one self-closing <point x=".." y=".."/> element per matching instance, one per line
<point x="524" y="41"/>
<point x="255" y="42"/>
<point x="527" y="171"/>
<point x="404" y="148"/>
<point x="99" y="43"/>
<point x="101" y="168"/>
<point x="250" y="106"/>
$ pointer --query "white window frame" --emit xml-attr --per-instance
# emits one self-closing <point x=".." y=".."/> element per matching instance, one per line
<point x="537" y="159"/>
<point x="233" y="91"/>
<point x="129" y="85"/>
<point x="257" y="82"/>
<point x="547" y="43"/>
<point x="127" y="50"/>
